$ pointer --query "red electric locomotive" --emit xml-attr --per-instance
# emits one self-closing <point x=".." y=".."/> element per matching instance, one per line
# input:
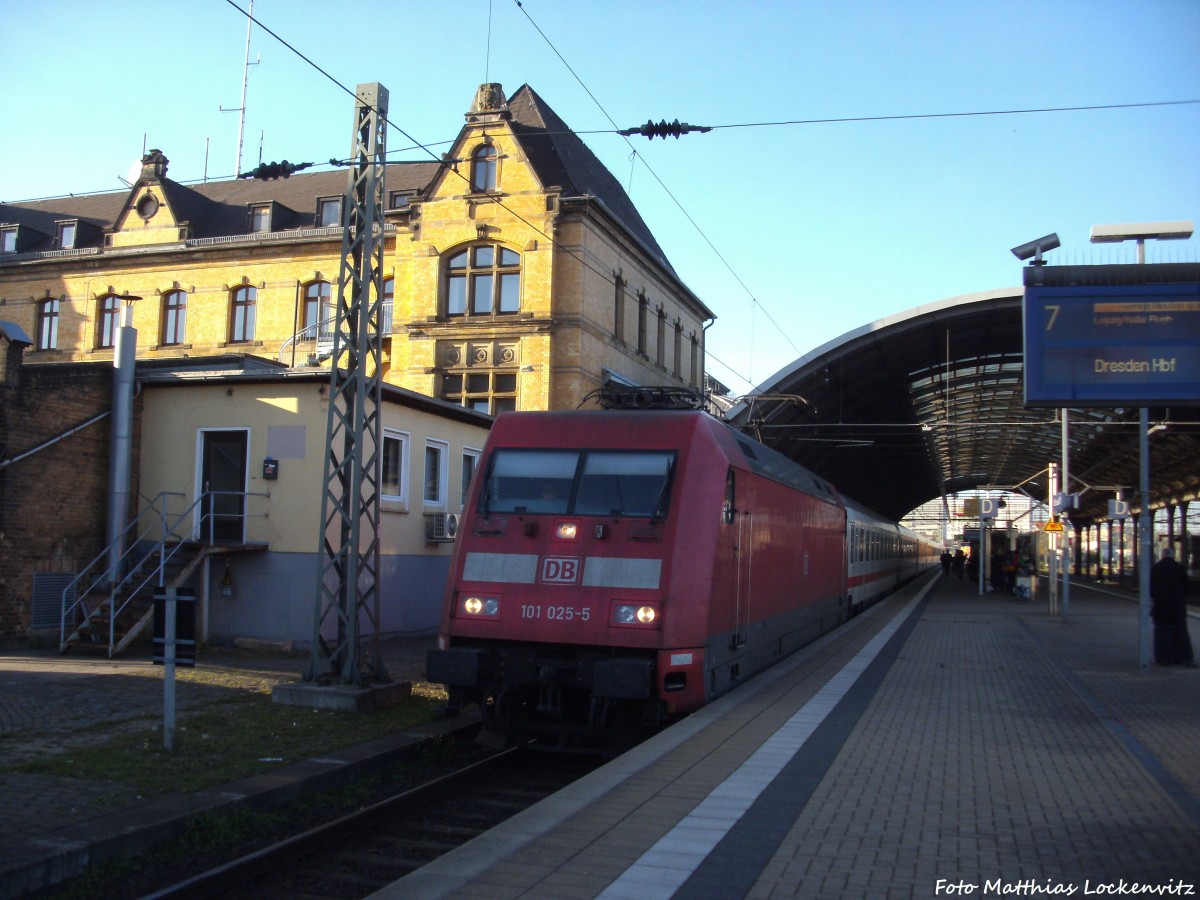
<point x="623" y="567"/>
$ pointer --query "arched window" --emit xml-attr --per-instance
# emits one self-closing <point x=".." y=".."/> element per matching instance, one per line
<point x="483" y="168"/>
<point x="47" y="324"/>
<point x="106" y="330"/>
<point x="174" y="317"/>
<point x="242" y="303"/>
<point x="386" y="306"/>
<point x="643" y="306"/>
<point x="318" y="311"/>
<point x="483" y="280"/>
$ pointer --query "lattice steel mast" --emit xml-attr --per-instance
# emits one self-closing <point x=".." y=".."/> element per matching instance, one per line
<point x="348" y="574"/>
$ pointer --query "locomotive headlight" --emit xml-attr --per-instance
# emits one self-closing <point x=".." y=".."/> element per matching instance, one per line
<point x="634" y="614"/>
<point x="480" y="606"/>
<point x="566" y="531"/>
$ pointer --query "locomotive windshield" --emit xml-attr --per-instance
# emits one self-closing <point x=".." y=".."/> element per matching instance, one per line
<point x="582" y="483"/>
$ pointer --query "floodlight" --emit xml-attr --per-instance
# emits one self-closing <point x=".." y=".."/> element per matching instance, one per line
<point x="1036" y="248"/>
<point x="1144" y="231"/>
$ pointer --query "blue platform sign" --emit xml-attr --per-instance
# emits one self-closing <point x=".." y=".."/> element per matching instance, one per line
<point x="1112" y="345"/>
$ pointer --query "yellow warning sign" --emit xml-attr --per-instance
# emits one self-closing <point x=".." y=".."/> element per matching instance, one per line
<point x="1053" y="526"/>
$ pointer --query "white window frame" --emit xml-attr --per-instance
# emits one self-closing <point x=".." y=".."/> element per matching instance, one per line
<point x="66" y="234"/>
<point x="443" y="472"/>
<point x="198" y="478"/>
<point x="467" y="453"/>
<point x="47" y="337"/>
<point x="331" y="203"/>
<point x="260" y="214"/>
<point x="396" y="502"/>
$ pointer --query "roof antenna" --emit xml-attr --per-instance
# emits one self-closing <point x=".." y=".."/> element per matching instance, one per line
<point x="487" y="56"/>
<point x="241" y="110"/>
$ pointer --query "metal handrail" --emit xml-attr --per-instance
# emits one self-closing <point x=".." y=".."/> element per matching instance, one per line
<point x="212" y="516"/>
<point x="165" y="557"/>
<point x="166" y="530"/>
<point x="322" y="332"/>
<point x="107" y="573"/>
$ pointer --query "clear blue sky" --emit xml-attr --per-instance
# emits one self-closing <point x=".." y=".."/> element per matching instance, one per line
<point x="822" y="227"/>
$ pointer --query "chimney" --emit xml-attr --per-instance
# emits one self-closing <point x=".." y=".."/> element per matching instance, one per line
<point x="489" y="104"/>
<point x="154" y="166"/>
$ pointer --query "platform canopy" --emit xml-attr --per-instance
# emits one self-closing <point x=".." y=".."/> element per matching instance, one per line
<point x="930" y="402"/>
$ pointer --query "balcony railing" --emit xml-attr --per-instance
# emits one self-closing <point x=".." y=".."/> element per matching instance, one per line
<point x="317" y="340"/>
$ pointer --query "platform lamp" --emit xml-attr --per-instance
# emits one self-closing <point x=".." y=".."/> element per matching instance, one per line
<point x="1146" y="231"/>
<point x="1142" y="232"/>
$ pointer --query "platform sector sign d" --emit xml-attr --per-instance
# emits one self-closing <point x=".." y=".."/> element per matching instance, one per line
<point x="1112" y="345"/>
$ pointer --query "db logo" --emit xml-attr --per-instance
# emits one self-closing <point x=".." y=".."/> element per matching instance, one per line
<point x="560" y="569"/>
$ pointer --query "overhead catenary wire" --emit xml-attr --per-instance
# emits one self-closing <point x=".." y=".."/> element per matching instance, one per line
<point x="607" y="276"/>
<point x="419" y="145"/>
<point x="666" y="190"/>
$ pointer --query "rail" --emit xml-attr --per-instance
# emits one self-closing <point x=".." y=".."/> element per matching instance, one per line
<point x="321" y="333"/>
<point x="102" y="575"/>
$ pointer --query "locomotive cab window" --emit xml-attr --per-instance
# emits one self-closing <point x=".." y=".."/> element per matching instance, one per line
<point x="624" y="484"/>
<point x="588" y="483"/>
<point x="530" y="481"/>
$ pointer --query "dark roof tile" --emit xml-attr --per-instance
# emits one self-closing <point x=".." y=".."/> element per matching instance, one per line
<point x="218" y="208"/>
<point x="560" y="157"/>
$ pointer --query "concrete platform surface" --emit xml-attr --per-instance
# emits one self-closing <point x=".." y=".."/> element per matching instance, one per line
<point x="943" y="745"/>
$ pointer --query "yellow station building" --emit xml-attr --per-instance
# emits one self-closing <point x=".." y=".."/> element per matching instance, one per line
<point x="519" y="275"/>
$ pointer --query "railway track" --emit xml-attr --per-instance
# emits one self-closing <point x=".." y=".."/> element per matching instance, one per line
<point x="360" y="853"/>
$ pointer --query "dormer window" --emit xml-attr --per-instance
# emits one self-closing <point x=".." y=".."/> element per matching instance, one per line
<point x="66" y="235"/>
<point x="484" y="162"/>
<point x="260" y="218"/>
<point x="8" y="239"/>
<point x="329" y="212"/>
<point x="399" y="199"/>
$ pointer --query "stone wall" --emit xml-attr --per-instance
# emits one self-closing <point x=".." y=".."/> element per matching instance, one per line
<point x="53" y="502"/>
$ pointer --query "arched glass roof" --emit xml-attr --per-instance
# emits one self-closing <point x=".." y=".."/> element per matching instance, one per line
<point x="930" y="402"/>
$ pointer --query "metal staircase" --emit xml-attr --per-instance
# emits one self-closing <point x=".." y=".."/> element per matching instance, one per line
<point x="109" y="606"/>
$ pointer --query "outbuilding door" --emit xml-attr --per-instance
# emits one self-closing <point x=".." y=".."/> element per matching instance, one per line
<point x="741" y="534"/>
<point x="223" y="470"/>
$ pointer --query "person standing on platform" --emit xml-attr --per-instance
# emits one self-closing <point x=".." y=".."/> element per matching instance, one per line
<point x="947" y="561"/>
<point x="1168" y="609"/>
<point x="960" y="560"/>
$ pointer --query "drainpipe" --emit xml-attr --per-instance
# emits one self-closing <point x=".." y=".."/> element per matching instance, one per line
<point x="121" y="448"/>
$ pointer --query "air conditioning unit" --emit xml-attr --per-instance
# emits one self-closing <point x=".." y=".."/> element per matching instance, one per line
<point x="440" y="528"/>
